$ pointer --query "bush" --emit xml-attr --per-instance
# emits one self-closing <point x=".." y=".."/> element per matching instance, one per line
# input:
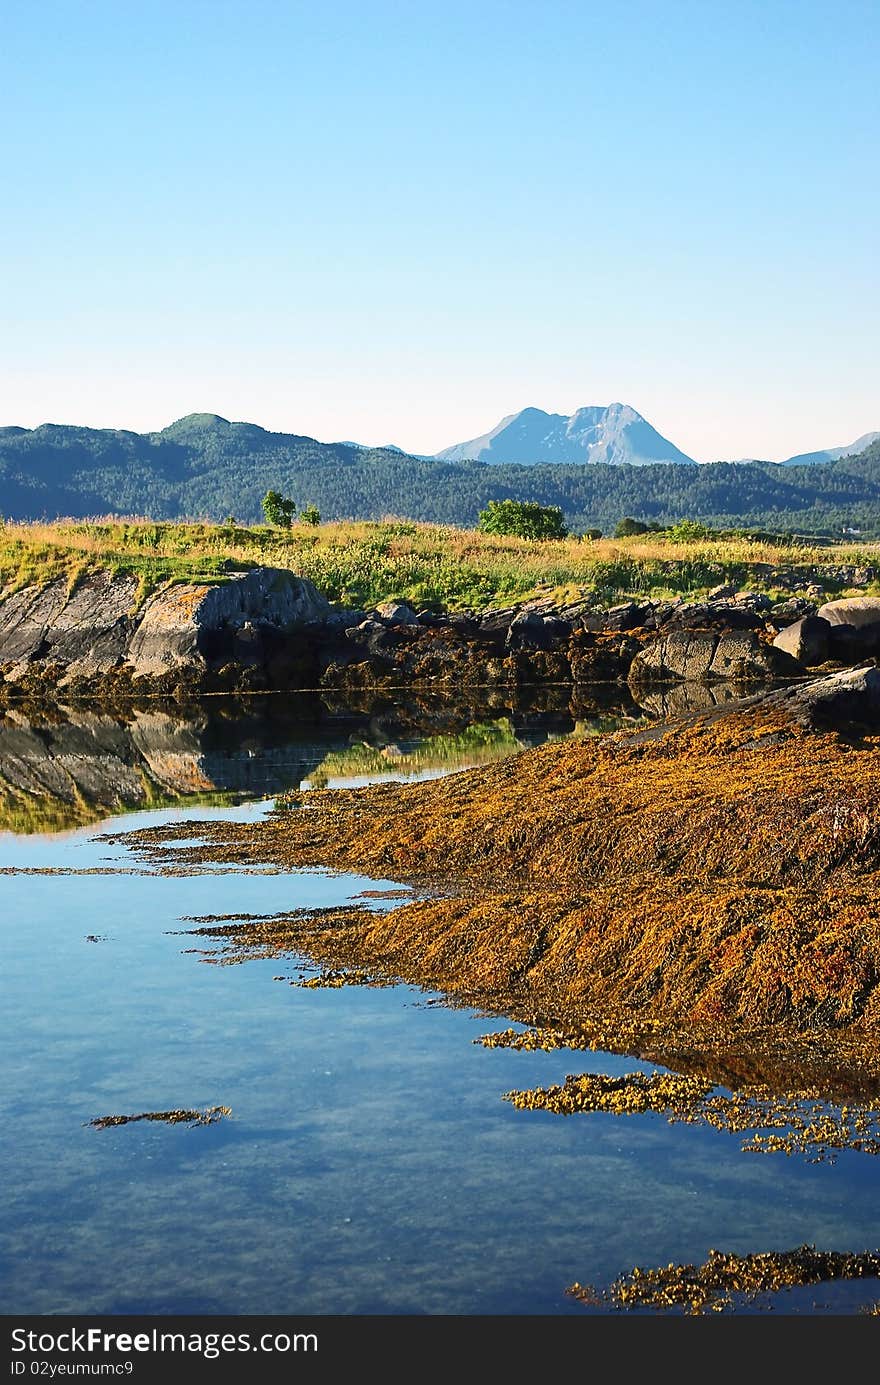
<point x="311" y="515"/>
<point x="628" y="527"/>
<point x="689" y="531"/>
<point x="525" y="519"/>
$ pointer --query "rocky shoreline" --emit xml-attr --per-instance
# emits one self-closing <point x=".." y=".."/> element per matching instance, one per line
<point x="703" y="886"/>
<point x="269" y="629"/>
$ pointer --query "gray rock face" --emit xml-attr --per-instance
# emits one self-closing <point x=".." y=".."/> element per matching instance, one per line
<point x="190" y="627"/>
<point x="704" y="655"/>
<point x="806" y="640"/>
<point x="94" y="630"/>
<point x="87" y="631"/>
<point x="852" y="610"/>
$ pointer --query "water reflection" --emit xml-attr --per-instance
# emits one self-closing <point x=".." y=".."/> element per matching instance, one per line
<point x="63" y="767"/>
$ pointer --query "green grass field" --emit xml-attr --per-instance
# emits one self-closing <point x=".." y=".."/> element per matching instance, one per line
<point x="362" y="564"/>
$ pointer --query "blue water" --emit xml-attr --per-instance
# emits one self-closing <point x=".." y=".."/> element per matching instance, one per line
<point x="370" y="1165"/>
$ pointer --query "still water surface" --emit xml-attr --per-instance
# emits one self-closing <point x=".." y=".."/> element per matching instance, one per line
<point x="370" y="1165"/>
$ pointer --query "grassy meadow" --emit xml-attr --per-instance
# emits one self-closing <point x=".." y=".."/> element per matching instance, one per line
<point x="364" y="563"/>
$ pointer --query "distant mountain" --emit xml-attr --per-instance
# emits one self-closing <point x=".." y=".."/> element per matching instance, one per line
<point x="832" y="454"/>
<point x="616" y="434"/>
<point x="204" y="466"/>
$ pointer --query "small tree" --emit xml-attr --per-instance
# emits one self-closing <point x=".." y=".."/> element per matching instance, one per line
<point x="311" y="515"/>
<point x="278" y="510"/>
<point x="524" y="518"/>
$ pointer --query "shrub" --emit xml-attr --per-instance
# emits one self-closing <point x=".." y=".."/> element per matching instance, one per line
<point x="525" y="519"/>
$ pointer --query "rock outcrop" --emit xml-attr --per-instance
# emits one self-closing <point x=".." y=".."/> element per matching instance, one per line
<point x="703" y="655"/>
<point x="269" y="628"/>
<point x="256" y="619"/>
<point x="188" y="628"/>
<point x="85" y="632"/>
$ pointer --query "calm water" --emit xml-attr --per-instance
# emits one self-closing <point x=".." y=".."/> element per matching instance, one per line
<point x="370" y="1165"/>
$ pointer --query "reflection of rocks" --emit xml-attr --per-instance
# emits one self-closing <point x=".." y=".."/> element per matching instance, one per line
<point x="72" y="765"/>
<point x="88" y="759"/>
<point x="673" y="700"/>
<point x="171" y="751"/>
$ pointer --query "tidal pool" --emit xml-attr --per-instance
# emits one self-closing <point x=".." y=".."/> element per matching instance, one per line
<point x="370" y="1164"/>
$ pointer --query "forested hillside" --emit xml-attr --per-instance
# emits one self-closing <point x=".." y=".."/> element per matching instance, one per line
<point x="203" y="466"/>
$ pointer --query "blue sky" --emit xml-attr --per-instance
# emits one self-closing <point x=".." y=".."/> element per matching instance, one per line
<point x="398" y="222"/>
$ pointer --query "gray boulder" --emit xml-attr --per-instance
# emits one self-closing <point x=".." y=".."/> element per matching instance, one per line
<point x="806" y="640"/>
<point x="627" y="616"/>
<point x="397" y="613"/>
<point x="840" y="701"/>
<point x="189" y="627"/>
<point x="852" y="610"/>
<point x="704" y="655"/>
<point x="529" y="630"/>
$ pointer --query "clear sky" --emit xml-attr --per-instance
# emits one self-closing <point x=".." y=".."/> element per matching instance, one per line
<point x="396" y="222"/>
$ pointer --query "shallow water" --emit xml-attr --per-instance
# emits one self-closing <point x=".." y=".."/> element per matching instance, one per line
<point x="370" y="1164"/>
